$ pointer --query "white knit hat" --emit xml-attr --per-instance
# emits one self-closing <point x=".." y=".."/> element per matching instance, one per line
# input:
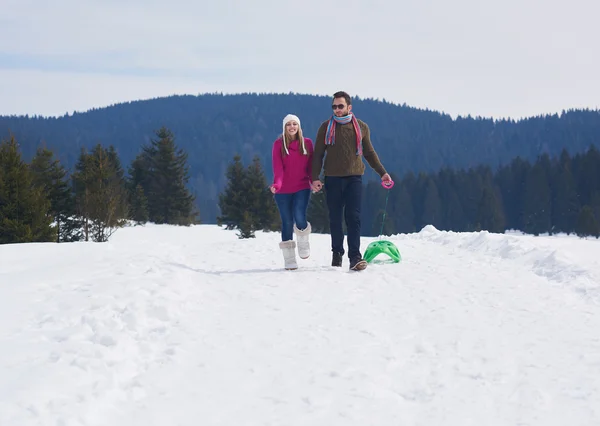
<point x="287" y="119"/>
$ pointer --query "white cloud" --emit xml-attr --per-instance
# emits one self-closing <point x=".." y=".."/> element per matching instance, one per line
<point x="516" y="58"/>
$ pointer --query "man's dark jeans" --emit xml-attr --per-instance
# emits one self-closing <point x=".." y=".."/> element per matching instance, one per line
<point x="344" y="197"/>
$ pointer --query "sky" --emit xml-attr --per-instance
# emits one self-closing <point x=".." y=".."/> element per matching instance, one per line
<point x="166" y="325"/>
<point x="515" y="58"/>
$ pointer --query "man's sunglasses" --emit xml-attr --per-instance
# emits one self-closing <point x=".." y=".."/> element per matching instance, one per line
<point x="338" y="106"/>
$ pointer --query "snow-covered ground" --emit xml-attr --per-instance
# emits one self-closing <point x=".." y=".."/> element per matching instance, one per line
<point x="192" y="326"/>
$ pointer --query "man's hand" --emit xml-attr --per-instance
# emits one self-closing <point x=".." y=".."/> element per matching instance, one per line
<point x="316" y="186"/>
<point x="386" y="178"/>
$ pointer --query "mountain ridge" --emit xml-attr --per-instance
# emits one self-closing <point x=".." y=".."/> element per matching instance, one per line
<point x="213" y="127"/>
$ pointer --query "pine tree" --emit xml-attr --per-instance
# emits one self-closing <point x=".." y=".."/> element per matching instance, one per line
<point x="318" y="213"/>
<point x="587" y="223"/>
<point x="231" y="200"/>
<point x="588" y="175"/>
<point x="162" y="171"/>
<point x="82" y="186"/>
<point x="511" y="182"/>
<point x="469" y="188"/>
<point x="565" y="201"/>
<point x="490" y="213"/>
<point x="118" y="185"/>
<point x="453" y="214"/>
<point x="137" y="180"/>
<point x="262" y="208"/>
<point x="247" y="227"/>
<point x="101" y="193"/>
<point x="418" y="186"/>
<point x="595" y="205"/>
<point x="108" y="196"/>
<point x="537" y="206"/>
<point x="402" y="209"/>
<point x="432" y="205"/>
<point x="246" y="204"/>
<point x="24" y="208"/>
<point x="373" y="200"/>
<point x="138" y="205"/>
<point x="51" y="177"/>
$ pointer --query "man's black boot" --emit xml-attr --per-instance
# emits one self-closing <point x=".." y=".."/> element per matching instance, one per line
<point x="358" y="264"/>
<point x="336" y="260"/>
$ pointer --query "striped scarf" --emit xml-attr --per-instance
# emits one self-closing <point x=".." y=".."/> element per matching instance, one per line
<point x="330" y="135"/>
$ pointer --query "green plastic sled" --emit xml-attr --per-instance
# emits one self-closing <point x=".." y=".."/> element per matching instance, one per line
<point x="382" y="247"/>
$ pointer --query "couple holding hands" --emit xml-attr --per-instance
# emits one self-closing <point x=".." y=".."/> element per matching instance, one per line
<point x="297" y="164"/>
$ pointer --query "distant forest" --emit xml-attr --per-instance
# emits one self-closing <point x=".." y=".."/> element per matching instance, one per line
<point x="430" y="146"/>
<point x="551" y="195"/>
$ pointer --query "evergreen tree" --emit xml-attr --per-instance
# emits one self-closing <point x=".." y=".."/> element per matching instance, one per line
<point x="587" y="223"/>
<point x="51" y="177"/>
<point x="490" y="214"/>
<point x="262" y="207"/>
<point x="136" y="181"/>
<point x="565" y="201"/>
<point x="109" y="207"/>
<point x="453" y="216"/>
<point x="232" y="199"/>
<point x="101" y="193"/>
<point x="470" y="191"/>
<point x="537" y="213"/>
<point x="162" y="171"/>
<point x="25" y="214"/>
<point x="373" y="200"/>
<point x="246" y="204"/>
<point x="402" y="209"/>
<point x="318" y="213"/>
<point x="83" y="181"/>
<point x="511" y="181"/>
<point x="247" y="227"/>
<point x="588" y="174"/>
<point x="418" y="187"/>
<point x="138" y="205"/>
<point x="118" y="184"/>
<point x="595" y="205"/>
<point x="432" y="205"/>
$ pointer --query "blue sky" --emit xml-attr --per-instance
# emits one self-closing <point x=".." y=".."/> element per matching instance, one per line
<point x="494" y="59"/>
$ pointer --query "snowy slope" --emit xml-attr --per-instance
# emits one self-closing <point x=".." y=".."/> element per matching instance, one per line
<point x="192" y="326"/>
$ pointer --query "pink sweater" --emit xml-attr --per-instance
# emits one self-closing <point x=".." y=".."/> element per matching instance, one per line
<point x="291" y="173"/>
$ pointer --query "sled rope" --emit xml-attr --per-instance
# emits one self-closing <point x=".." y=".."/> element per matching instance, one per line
<point x="387" y="195"/>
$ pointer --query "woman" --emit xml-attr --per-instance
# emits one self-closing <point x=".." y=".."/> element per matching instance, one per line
<point x="292" y="158"/>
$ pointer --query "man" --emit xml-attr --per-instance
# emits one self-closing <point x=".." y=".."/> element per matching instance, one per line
<point x="346" y="140"/>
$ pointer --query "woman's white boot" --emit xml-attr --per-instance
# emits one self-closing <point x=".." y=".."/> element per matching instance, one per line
<point x="303" y="243"/>
<point x="288" y="249"/>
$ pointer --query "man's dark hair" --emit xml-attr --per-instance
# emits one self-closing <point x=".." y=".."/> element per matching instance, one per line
<point x="342" y="94"/>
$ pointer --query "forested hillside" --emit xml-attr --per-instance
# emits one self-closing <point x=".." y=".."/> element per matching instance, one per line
<point x="212" y="128"/>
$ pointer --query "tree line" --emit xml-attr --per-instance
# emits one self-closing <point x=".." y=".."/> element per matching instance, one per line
<point x="212" y="128"/>
<point x="551" y="195"/>
<point x="41" y="201"/>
